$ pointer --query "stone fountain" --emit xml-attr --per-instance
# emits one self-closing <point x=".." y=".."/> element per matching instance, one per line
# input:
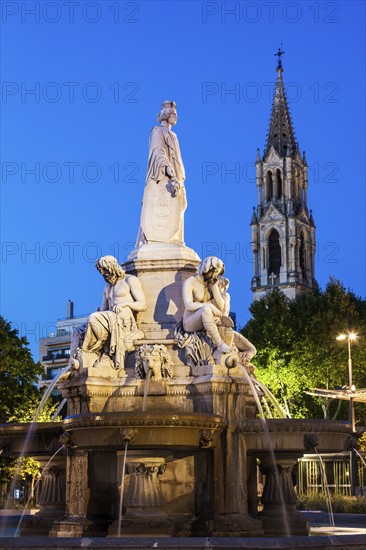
<point x="164" y="330"/>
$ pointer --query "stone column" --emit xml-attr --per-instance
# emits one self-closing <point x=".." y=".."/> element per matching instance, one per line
<point x="231" y="516"/>
<point x="77" y="496"/>
<point x="279" y="516"/>
<point x="252" y="485"/>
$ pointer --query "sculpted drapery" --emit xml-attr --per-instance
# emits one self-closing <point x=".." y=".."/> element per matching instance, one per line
<point x="164" y="200"/>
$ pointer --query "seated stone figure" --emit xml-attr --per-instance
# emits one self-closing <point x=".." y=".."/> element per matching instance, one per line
<point x="230" y="336"/>
<point x="112" y="331"/>
<point x="203" y="302"/>
<point x="206" y="332"/>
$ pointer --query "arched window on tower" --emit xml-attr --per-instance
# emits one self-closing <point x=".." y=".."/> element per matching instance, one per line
<point x="293" y="190"/>
<point x="279" y="183"/>
<point x="269" y="185"/>
<point x="302" y="254"/>
<point x="274" y="257"/>
<point x="296" y="190"/>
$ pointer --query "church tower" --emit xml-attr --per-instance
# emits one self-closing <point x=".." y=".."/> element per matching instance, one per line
<point x="283" y="230"/>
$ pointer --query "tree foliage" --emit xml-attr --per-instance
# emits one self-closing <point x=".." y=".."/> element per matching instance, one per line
<point x="19" y="394"/>
<point x="22" y="468"/>
<point x="298" y="350"/>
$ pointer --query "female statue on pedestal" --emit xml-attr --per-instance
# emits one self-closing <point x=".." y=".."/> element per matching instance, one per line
<point x="164" y="200"/>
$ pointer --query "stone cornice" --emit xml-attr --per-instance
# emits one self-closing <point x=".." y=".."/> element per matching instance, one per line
<point x="135" y="419"/>
<point x="295" y="425"/>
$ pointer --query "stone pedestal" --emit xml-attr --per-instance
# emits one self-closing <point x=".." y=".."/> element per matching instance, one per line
<point x="144" y="494"/>
<point x="162" y="269"/>
<point x="143" y="501"/>
<point x="279" y="516"/>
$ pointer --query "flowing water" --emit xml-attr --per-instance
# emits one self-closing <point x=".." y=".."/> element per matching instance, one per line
<point x="326" y="490"/>
<point x="120" y="510"/>
<point x="59" y="409"/>
<point x="146" y="390"/>
<point x="269" y="395"/>
<point x="17" y="530"/>
<point x="270" y="447"/>
<point x="361" y="457"/>
<point x="48" y="392"/>
<point x="30" y="432"/>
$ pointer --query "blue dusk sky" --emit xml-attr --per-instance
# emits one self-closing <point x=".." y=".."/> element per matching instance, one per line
<point x="81" y="85"/>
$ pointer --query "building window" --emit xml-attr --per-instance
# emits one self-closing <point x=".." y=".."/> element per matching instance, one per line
<point x="279" y="184"/>
<point x="55" y="354"/>
<point x="269" y="185"/>
<point x="302" y="255"/>
<point x="274" y="253"/>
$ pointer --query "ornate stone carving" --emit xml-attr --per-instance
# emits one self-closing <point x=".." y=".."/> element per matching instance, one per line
<point x="198" y="346"/>
<point x="128" y="434"/>
<point x="164" y="200"/>
<point x="206" y="332"/>
<point x="279" y="497"/>
<point x="351" y="444"/>
<point x="206" y="438"/>
<point x="66" y="440"/>
<point x="52" y="487"/>
<point x="311" y="441"/>
<point x="278" y="488"/>
<point x="155" y="358"/>
<point x="77" y="492"/>
<point x="111" y="332"/>
<point x="144" y="489"/>
<point x="203" y="302"/>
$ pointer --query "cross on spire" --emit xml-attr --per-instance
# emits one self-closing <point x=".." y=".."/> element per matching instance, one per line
<point x="273" y="277"/>
<point x="281" y="133"/>
<point x="279" y="54"/>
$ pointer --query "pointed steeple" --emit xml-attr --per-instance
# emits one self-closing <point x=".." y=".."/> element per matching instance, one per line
<point x="280" y="134"/>
<point x="282" y="231"/>
<point x="311" y="219"/>
<point x="254" y="219"/>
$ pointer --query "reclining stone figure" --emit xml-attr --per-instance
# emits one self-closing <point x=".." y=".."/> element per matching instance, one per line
<point x="111" y="332"/>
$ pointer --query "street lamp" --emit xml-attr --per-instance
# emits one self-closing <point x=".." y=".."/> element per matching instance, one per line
<point x="349" y="337"/>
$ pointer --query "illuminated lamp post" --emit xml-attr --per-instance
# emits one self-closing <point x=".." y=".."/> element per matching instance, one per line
<point x="349" y="337"/>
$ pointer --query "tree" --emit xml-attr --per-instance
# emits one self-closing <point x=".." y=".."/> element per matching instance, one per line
<point x="18" y="375"/>
<point x="26" y="468"/>
<point x="19" y="399"/>
<point x="298" y="351"/>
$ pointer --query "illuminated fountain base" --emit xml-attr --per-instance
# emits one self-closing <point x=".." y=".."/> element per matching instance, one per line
<point x="187" y="473"/>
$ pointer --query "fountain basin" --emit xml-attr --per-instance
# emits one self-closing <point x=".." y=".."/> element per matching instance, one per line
<point x="42" y="438"/>
<point x="296" y="435"/>
<point x="278" y="444"/>
<point x="142" y="430"/>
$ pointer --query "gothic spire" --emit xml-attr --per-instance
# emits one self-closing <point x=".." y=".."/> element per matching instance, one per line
<point x="280" y="134"/>
<point x="254" y="219"/>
